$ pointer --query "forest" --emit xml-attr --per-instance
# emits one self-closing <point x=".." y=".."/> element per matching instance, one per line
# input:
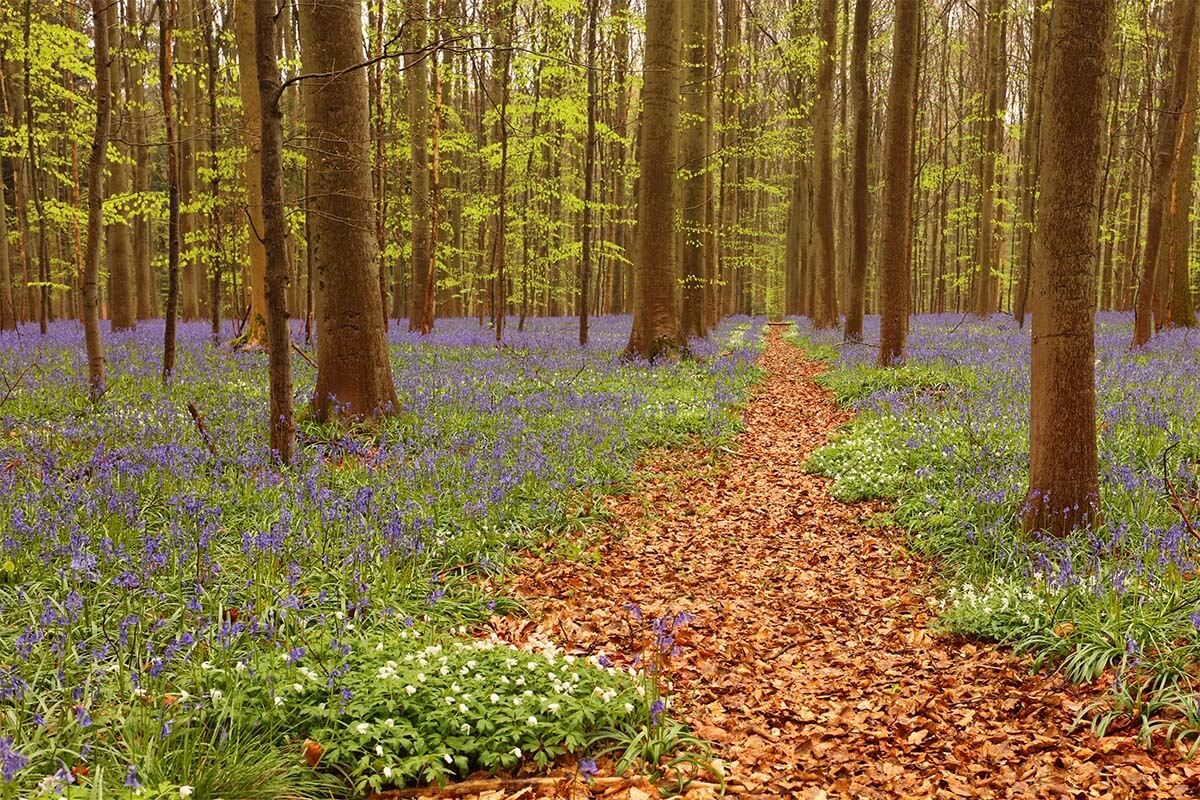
<point x="599" y="398"/>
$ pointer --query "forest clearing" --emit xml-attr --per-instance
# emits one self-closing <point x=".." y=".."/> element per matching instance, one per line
<point x="599" y="398"/>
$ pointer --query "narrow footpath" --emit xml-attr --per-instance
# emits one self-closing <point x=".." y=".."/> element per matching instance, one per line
<point x="810" y="662"/>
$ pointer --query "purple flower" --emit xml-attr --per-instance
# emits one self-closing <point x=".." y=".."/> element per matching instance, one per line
<point x="131" y="778"/>
<point x="11" y="761"/>
<point x="656" y="710"/>
<point x="588" y="769"/>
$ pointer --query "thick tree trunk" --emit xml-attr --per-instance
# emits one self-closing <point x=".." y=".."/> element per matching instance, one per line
<point x="895" y="259"/>
<point x="730" y="131"/>
<point x="656" y="332"/>
<point x="1168" y="145"/>
<point x="826" y="311"/>
<point x="860" y="235"/>
<point x="1182" y="309"/>
<point x="188" y="131"/>
<point x="693" y="170"/>
<point x="95" y="216"/>
<point x="122" y="307"/>
<point x="990" y="127"/>
<point x="255" y="280"/>
<point x="1063" y="484"/>
<point x="354" y="375"/>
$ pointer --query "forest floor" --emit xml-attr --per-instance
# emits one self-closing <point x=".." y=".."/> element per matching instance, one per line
<point x="813" y="663"/>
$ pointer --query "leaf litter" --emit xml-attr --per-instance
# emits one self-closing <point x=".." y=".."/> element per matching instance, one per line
<point x="811" y="664"/>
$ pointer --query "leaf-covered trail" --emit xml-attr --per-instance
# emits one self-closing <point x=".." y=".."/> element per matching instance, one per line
<point x="810" y="662"/>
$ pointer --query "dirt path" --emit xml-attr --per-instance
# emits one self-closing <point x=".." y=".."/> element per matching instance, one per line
<point x="810" y="662"/>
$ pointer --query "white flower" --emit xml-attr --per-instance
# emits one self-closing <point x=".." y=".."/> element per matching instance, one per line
<point x="449" y="759"/>
<point x="387" y="772"/>
<point x="532" y="720"/>
<point x="391" y="723"/>
<point x="410" y="690"/>
<point x="465" y="728"/>
<point x="495" y="698"/>
<point x="421" y="677"/>
<point x="362" y="728"/>
<point x="206" y="665"/>
<point x="185" y="792"/>
<point x="516" y="751"/>
<point x="240" y="666"/>
<point x="553" y="708"/>
<point x="298" y="687"/>
<point x="378" y="749"/>
<point x="462" y="708"/>
<point x="449" y="701"/>
<point x="216" y="694"/>
<point x="629" y="708"/>
<point x="278" y="701"/>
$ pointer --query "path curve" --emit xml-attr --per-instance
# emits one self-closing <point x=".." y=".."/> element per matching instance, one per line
<point x="811" y="664"/>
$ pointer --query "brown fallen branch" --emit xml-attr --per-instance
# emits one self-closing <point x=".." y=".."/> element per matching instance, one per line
<point x="304" y="355"/>
<point x="200" y="426"/>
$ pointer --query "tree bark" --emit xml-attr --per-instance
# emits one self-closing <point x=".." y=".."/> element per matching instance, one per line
<point x="1182" y="309"/>
<point x="1030" y="166"/>
<point x="589" y="168"/>
<point x="95" y="216"/>
<point x="656" y="332"/>
<point x="1063" y="485"/>
<point x="8" y="312"/>
<point x="416" y="76"/>
<point x="255" y="332"/>
<point x="693" y="170"/>
<point x="1168" y="145"/>
<point x="122" y="307"/>
<point x="860" y="236"/>
<point x="166" y="72"/>
<point x="895" y="257"/>
<point x="826" y="311"/>
<point x="279" y="340"/>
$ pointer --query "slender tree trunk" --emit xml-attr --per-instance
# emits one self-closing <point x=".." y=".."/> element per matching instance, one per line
<point x="1063" y="484"/>
<point x="1030" y="166"/>
<point x="145" y="296"/>
<point x="897" y="222"/>
<point x="656" y="332"/>
<point x="1182" y="309"/>
<point x="214" y="184"/>
<point x="589" y="168"/>
<point x="826" y="312"/>
<point x="860" y="235"/>
<point x="279" y="340"/>
<point x="95" y="217"/>
<point x="1168" y="145"/>
<point x="166" y="72"/>
<point x="417" y="80"/>
<point x="8" y="311"/>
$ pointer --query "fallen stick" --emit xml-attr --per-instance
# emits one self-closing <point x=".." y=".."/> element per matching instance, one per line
<point x="200" y="426"/>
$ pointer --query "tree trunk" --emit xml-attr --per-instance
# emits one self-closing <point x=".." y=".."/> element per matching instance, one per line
<point x="895" y="259"/>
<point x="95" y="215"/>
<point x="860" y="236"/>
<point x="354" y="375"/>
<point x="1063" y="485"/>
<point x="1168" y="145"/>
<point x="255" y="332"/>
<point x="122" y="309"/>
<point x="416" y="75"/>
<point x="693" y="169"/>
<point x="279" y="340"/>
<point x="8" y="312"/>
<point x="656" y="332"/>
<point x="826" y="311"/>
<point x="166" y="72"/>
<point x="145" y="296"/>
<point x="1030" y="166"/>
<point x="589" y="168"/>
<point x="1182" y="309"/>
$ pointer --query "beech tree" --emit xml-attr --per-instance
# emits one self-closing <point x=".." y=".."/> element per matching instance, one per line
<point x="95" y="216"/>
<point x="896" y="227"/>
<point x="825" y="313"/>
<point x="1063" y="484"/>
<point x="354" y="375"/>
<point x="656" y="332"/>
<point x="860" y="232"/>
